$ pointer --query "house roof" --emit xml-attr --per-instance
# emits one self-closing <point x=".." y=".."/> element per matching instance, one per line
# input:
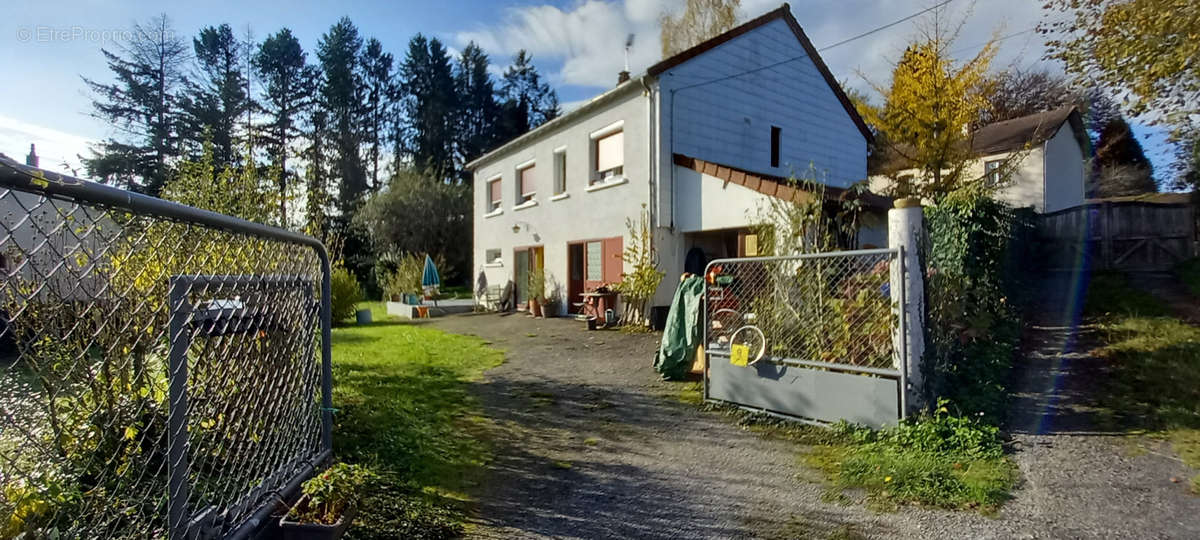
<point x="782" y="12"/>
<point x="776" y="186"/>
<point x="1014" y="134"/>
<point x="1006" y="136"/>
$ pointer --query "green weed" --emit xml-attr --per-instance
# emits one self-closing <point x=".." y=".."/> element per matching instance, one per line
<point x="939" y="460"/>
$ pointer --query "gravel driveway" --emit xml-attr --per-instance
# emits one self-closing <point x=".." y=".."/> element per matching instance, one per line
<point x="591" y="444"/>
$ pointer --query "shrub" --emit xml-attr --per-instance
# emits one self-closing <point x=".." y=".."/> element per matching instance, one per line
<point x="400" y="274"/>
<point x="330" y="494"/>
<point x="346" y="293"/>
<point x="977" y="281"/>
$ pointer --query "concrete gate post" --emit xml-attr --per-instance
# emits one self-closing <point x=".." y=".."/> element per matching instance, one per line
<point x="906" y="224"/>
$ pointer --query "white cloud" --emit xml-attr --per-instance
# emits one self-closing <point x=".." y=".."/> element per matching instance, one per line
<point x="587" y="38"/>
<point x="58" y="150"/>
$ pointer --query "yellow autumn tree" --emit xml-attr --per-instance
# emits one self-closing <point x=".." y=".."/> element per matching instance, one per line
<point x="923" y="126"/>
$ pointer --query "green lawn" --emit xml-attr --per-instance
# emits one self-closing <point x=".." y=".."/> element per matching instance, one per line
<point x="1152" y="381"/>
<point x="405" y="409"/>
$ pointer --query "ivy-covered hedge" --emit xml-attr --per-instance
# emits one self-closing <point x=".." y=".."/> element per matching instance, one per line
<point x="979" y="273"/>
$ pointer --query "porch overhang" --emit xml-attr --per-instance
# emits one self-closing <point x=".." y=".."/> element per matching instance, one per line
<point x="778" y="186"/>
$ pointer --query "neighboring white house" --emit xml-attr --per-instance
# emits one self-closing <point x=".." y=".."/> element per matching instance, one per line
<point x="1050" y="152"/>
<point x="699" y="142"/>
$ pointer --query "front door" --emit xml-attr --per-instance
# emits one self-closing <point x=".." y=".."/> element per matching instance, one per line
<point x="525" y="260"/>
<point x="591" y="264"/>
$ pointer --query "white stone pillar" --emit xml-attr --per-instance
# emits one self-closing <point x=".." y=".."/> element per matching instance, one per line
<point x="905" y="229"/>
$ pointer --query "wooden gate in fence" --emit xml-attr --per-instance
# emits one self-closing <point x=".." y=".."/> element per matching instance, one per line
<point x="1126" y="235"/>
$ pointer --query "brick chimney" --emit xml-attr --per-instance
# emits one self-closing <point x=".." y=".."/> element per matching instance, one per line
<point x="622" y="77"/>
<point x="32" y="159"/>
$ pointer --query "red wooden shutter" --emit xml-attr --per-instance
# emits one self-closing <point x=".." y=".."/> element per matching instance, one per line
<point x="613" y="266"/>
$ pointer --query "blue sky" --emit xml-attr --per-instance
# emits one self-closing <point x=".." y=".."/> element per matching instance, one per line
<point x="47" y="46"/>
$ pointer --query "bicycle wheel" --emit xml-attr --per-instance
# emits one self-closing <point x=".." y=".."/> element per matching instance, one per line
<point x="722" y="325"/>
<point x="754" y="340"/>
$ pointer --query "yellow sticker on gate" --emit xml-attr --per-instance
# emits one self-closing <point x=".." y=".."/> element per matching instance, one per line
<point x="739" y="355"/>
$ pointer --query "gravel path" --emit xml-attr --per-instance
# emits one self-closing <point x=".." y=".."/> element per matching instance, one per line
<point x="1079" y="482"/>
<point x="592" y="444"/>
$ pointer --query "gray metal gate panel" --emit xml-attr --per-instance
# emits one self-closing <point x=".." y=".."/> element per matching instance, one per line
<point x="806" y="392"/>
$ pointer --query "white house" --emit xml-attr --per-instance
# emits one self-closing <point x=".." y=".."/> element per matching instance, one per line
<point x="698" y="142"/>
<point x="1049" y="152"/>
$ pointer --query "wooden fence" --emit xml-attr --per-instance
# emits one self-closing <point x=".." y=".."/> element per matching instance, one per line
<point x="1128" y="236"/>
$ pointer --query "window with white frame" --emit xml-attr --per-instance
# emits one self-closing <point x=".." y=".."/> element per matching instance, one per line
<point x="526" y="185"/>
<point x="991" y="172"/>
<point x="608" y="154"/>
<point x="560" y="171"/>
<point x="494" y="194"/>
<point x="492" y="256"/>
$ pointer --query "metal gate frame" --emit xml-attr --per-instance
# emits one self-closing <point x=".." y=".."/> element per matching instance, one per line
<point x="182" y="523"/>
<point x="716" y="359"/>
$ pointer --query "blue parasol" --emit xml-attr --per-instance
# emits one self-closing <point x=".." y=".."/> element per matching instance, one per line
<point x="429" y="278"/>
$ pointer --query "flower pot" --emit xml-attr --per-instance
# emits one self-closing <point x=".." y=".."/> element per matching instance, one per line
<point x="294" y="530"/>
<point x="535" y="307"/>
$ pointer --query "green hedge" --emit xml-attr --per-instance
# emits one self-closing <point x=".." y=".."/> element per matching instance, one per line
<point x="979" y="275"/>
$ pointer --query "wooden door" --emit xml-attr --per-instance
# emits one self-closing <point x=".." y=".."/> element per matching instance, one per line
<point x="575" y="274"/>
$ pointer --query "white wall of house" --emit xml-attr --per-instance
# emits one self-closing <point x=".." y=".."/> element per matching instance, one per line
<point x="1065" y="171"/>
<point x="729" y="122"/>
<point x="581" y="212"/>
<point x="713" y="203"/>
<point x="1048" y="177"/>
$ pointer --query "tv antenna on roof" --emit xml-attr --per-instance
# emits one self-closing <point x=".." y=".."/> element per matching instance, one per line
<point x="628" y="44"/>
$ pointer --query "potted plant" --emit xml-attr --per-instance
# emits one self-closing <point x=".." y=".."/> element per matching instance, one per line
<point x="328" y="504"/>
<point x="537" y="291"/>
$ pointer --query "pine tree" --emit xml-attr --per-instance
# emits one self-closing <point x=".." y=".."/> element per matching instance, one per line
<point x="342" y="97"/>
<point x="216" y="99"/>
<point x="527" y="101"/>
<point x="316" y="209"/>
<point x="380" y="92"/>
<point x="1121" y="164"/>
<point x="479" y="113"/>
<point x="290" y="87"/>
<point x="430" y="106"/>
<point x="141" y="104"/>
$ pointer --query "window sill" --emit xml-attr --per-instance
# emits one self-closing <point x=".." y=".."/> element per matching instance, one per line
<point x="611" y="182"/>
<point x="560" y="196"/>
<point x="527" y="204"/>
<point x="493" y="265"/>
<point x="494" y="213"/>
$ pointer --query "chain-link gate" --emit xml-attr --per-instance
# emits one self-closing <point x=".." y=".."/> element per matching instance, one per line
<point x="165" y="371"/>
<point x="811" y="336"/>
